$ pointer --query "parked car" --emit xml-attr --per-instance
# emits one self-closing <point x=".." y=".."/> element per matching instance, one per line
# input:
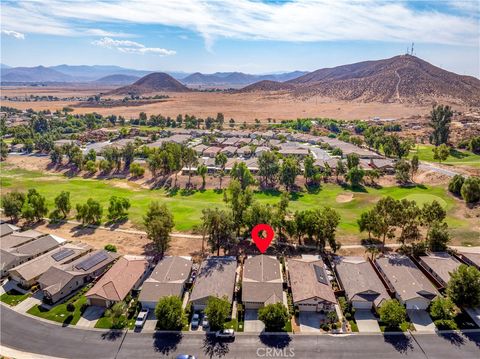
<point x="141" y="318"/>
<point x="205" y="321"/>
<point x="185" y="356"/>
<point x="193" y="275"/>
<point x="225" y="334"/>
<point x="195" y="321"/>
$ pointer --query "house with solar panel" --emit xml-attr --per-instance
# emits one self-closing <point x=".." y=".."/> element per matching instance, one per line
<point x="125" y="275"/>
<point x="61" y="280"/>
<point x="310" y="284"/>
<point x="28" y="273"/>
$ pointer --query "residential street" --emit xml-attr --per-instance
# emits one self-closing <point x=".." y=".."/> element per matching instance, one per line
<point x="21" y="332"/>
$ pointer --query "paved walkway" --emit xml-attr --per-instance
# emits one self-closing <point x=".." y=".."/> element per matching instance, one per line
<point x="366" y="321"/>
<point x="421" y="320"/>
<point x="90" y="316"/>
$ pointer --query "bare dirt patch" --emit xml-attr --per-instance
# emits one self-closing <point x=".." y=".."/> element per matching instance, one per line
<point x="344" y="198"/>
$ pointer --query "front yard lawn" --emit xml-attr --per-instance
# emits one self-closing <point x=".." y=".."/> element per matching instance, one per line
<point x="403" y="327"/>
<point x="13" y="297"/>
<point x="59" y="313"/>
<point x="234" y="324"/>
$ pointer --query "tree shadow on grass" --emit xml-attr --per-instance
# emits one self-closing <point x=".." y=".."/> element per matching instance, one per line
<point x="358" y="189"/>
<point x="212" y="347"/>
<point x="458" y="154"/>
<point x="166" y="342"/>
<point x="400" y="342"/>
<point x="279" y="341"/>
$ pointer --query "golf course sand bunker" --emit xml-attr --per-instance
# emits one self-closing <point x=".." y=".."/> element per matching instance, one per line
<point x="344" y="198"/>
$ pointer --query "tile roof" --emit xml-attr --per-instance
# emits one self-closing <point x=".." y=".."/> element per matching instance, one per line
<point x="262" y="280"/>
<point x="443" y="264"/>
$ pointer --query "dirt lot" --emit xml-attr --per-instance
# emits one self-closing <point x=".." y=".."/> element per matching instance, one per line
<point x="240" y="106"/>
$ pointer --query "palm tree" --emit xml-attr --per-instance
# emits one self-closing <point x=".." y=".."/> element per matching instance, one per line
<point x="202" y="171"/>
<point x="190" y="159"/>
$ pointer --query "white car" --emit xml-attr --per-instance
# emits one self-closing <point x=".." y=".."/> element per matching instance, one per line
<point x="141" y="318"/>
<point x="195" y="321"/>
<point x="225" y="334"/>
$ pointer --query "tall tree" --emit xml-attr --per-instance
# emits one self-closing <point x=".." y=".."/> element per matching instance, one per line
<point x="128" y="155"/>
<point x="441" y="153"/>
<point x="309" y="169"/>
<point x="340" y="170"/>
<point x="190" y="159"/>
<point x="202" y="171"/>
<point x="62" y="203"/>
<point x="217" y="310"/>
<point x="352" y="160"/>
<point x="414" y="165"/>
<point x="221" y="161"/>
<point x="219" y="227"/>
<point x="440" y="118"/>
<point x="12" y="203"/>
<point x="464" y="286"/>
<point x="159" y="223"/>
<point x="242" y="174"/>
<point x="289" y="171"/>
<point x="402" y="171"/>
<point x="385" y="213"/>
<point x="90" y="212"/>
<point x="392" y="313"/>
<point x="438" y="237"/>
<point x="432" y="213"/>
<point x="169" y="313"/>
<point x="471" y="189"/>
<point x="239" y="200"/>
<point x="408" y="221"/>
<point x="274" y="316"/>
<point x="355" y="176"/>
<point x="268" y="167"/>
<point x="118" y="208"/>
<point x="35" y="207"/>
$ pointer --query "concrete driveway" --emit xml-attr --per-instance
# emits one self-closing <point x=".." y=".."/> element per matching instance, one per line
<point x="366" y="321"/>
<point x="421" y="320"/>
<point x="251" y="322"/>
<point x="25" y="305"/>
<point x="90" y="316"/>
<point x="310" y="321"/>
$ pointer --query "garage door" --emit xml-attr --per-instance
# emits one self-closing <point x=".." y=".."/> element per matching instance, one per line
<point x="362" y="305"/>
<point x="98" y="302"/>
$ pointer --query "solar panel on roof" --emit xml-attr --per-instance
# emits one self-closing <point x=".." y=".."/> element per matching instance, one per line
<point x="92" y="261"/>
<point x="321" y="275"/>
<point x="64" y="253"/>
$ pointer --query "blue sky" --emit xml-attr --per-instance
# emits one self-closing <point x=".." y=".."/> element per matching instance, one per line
<point x="238" y="35"/>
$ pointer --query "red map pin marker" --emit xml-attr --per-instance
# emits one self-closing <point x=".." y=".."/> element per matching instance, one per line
<point x="262" y="243"/>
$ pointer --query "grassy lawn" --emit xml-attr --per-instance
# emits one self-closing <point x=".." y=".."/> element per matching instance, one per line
<point x="288" y="327"/>
<point x="234" y="324"/>
<point x="457" y="157"/>
<point x="187" y="207"/>
<point x="13" y="297"/>
<point x="403" y="327"/>
<point x="353" y="325"/>
<point x="59" y="313"/>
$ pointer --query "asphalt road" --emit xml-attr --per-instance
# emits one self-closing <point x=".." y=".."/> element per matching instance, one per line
<point x="28" y="334"/>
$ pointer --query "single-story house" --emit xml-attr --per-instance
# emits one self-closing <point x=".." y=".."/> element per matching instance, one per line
<point x="363" y="288"/>
<point x="311" y="288"/>
<point x="243" y="141"/>
<point x="294" y="151"/>
<point x="259" y="150"/>
<point x="13" y="257"/>
<point x="244" y="151"/>
<point x="200" y="148"/>
<point x="211" y="151"/>
<point x="230" y="141"/>
<point x="178" y="138"/>
<point x="439" y="265"/>
<point x="124" y="276"/>
<point x="16" y="239"/>
<point x="229" y="151"/>
<point x="7" y="228"/>
<point x="262" y="282"/>
<point x="167" y="278"/>
<point x="386" y="165"/>
<point x="98" y="147"/>
<point x="472" y="259"/>
<point x="60" y="281"/>
<point x="216" y="278"/>
<point x="60" y="143"/>
<point x="412" y="288"/>
<point x="28" y="273"/>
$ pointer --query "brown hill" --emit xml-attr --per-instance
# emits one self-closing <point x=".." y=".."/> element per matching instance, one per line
<point x="267" y="85"/>
<point x="402" y="78"/>
<point x="154" y="82"/>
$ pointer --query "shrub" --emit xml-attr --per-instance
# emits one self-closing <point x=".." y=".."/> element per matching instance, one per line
<point x="70" y="307"/>
<point x="325" y="327"/>
<point x="110" y="248"/>
<point x="136" y="170"/>
<point x="456" y="183"/>
<point x="471" y="190"/>
<point x="446" y="324"/>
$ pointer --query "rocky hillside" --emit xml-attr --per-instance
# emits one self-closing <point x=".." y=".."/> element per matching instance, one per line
<point x="402" y="78"/>
<point x="155" y="82"/>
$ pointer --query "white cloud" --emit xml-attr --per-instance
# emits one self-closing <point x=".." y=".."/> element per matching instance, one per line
<point x="131" y="47"/>
<point x="294" y="21"/>
<point x="15" y="34"/>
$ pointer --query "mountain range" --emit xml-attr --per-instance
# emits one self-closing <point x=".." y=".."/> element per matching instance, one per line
<point x="237" y="78"/>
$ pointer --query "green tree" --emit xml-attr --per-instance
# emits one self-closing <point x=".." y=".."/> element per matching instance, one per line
<point x="242" y="174"/>
<point x="455" y="184"/>
<point x="34" y="208"/>
<point x="440" y="118"/>
<point x="372" y="175"/>
<point x="62" y="203"/>
<point x="90" y="167"/>
<point x="202" y="171"/>
<point x="220" y="228"/>
<point x="442" y="308"/>
<point x="110" y="248"/>
<point x="309" y="170"/>
<point x="402" y="171"/>
<point x="258" y="213"/>
<point x="352" y="160"/>
<point x="268" y="167"/>
<point x="408" y="220"/>
<point x="91" y="155"/>
<point x="474" y="144"/>
<point x="367" y="222"/>
<point x="136" y="170"/>
<point x="441" y="153"/>
<point x="385" y="213"/>
<point x="169" y="313"/>
<point x="217" y="310"/>
<point x="289" y="171"/>
<point x="471" y="189"/>
<point x="3" y="150"/>
<point x="189" y="159"/>
<point x="341" y="169"/>
<point x="12" y="203"/>
<point x="56" y="155"/>
<point x="239" y="200"/>
<point x="392" y="313"/>
<point x="464" y="286"/>
<point x="274" y="316"/>
<point x="355" y="176"/>
<point x="159" y="223"/>
<point x="89" y="212"/>
<point x="431" y="213"/>
<point x="414" y="165"/>
<point x="117" y="315"/>
<point x="128" y="155"/>
<point x="118" y="209"/>
<point x="221" y="161"/>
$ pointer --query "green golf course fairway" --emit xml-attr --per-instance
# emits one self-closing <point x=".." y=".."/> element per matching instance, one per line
<point x="457" y="157"/>
<point x="187" y="207"/>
